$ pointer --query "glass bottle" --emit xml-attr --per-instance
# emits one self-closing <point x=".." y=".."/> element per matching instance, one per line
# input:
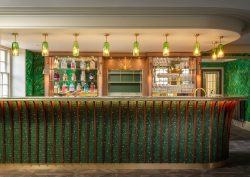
<point x="91" y="77"/>
<point x="86" y="88"/>
<point x="87" y="65"/>
<point x="82" y="65"/>
<point x="92" y="87"/>
<point x="65" y="77"/>
<point x="56" y="64"/>
<point x="73" y="77"/>
<point x="64" y="64"/>
<point x="73" y="64"/>
<point x="78" y="87"/>
<point x="56" y="88"/>
<point x="56" y="76"/>
<point x="64" y="88"/>
<point x="92" y="64"/>
<point x="82" y="76"/>
<point x="71" y="87"/>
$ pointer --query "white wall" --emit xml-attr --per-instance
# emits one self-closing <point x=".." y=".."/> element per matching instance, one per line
<point x="18" y="75"/>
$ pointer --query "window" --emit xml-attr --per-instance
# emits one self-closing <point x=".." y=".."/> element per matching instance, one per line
<point x="4" y="73"/>
<point x="212" y="81"/>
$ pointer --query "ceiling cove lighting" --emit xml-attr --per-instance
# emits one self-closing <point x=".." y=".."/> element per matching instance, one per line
<point x="106" y="47"/>
<point x="136" y="49"/>
<point x="75" y="50"/>
<point x="165" y="47"/>
<point x="214" y="51"/>
<point x="197" y="48"/>
<point x="45" y="46"/>
<point x="220" y="49"/>
<point x="15" y="46"/>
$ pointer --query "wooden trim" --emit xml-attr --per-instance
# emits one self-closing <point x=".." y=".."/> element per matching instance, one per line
<point x="120" y="166"/>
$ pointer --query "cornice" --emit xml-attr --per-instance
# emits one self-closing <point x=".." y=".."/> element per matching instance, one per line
<point x="123" y="11"/>
<point x="205" y="14"/>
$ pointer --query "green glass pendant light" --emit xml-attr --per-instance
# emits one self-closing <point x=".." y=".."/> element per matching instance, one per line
<point x="165" y="48"/>
<point x="220" y="49"/>
<point x="136" y="49"/>
<point x="197" y="48"/>
<point x="15" y="46"/>
<point x="75" y="50"/>
<point x="45" y="46"/>
<point x="106" y="47"/>
<point x="214" y="51"/>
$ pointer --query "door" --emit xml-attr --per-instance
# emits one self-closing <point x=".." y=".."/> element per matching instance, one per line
<point x="212" y="81"/>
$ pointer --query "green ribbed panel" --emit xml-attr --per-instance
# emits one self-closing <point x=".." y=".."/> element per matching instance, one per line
<point x="71" y="137"/>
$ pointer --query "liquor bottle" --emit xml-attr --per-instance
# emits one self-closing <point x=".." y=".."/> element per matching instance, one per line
<point x="73" y="77"/>
<point x="82" y="65"/>
<point x="86" y="88"/>
<point x="56" y="76"/>
<point x="73" y="64"/>
<point x="92" y="87"/>
<point x="91" y="77"/>
<point x="82" y="76"/>
<point x="78" y="87"/>
<point x="56" y="88"/>
<point x="64" y="88"/>
<point x="65" y="77"/>
<point x="64" y="64"/>
<point x="92" y="64"/>
<point x="87" y="65"/>
<point x="71" y="87"/>
<point x="56" y="64"/>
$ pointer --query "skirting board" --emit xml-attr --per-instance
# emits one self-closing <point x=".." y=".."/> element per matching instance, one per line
<point x="119" y="166"/>
<point x="244" y="125"/>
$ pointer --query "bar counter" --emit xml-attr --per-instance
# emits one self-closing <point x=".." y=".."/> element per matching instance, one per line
<point x="190" y="130"/>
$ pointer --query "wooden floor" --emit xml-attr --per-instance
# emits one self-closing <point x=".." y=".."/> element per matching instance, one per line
<point x="237" y="165"/>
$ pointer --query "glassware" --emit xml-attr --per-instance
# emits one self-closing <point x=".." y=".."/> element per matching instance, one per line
<point x="92" y="64"/>
<point x="92" y="87"/>
<point x="82" y="76"/>
<point x="91" y="77"/>
<point x="78" y="87"/>
<point x="56" y="64"/>
<point x="73" y="77"/>
<point x="65" y="77"/>
<point x="64" y="88"/>
<point x="87" y="65"/>
<point x="64" y="64"/>
<point x="71" y="87"/>
<point x="56" y="88"/>
<point x="73" y="64"/>
<point x="56" y="76"/>
<point x="86" y="88"/>
<point x="82" y="65"/>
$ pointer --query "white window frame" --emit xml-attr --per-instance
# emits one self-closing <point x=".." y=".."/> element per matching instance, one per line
<point x="8" y="69"/>
<point x="222" y="75"/>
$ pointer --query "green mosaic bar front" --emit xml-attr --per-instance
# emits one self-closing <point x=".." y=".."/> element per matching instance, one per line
<point x="119" y="131"/>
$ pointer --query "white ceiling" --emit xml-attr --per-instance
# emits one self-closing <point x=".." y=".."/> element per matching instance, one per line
<point x="91" y="40"/>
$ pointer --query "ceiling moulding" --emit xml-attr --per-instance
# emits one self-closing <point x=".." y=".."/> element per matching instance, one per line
<point x="122" y="54"/>
<point x="122" y="21"/>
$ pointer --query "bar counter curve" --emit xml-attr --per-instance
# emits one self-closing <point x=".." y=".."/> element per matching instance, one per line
<point x="182" y="130"/>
